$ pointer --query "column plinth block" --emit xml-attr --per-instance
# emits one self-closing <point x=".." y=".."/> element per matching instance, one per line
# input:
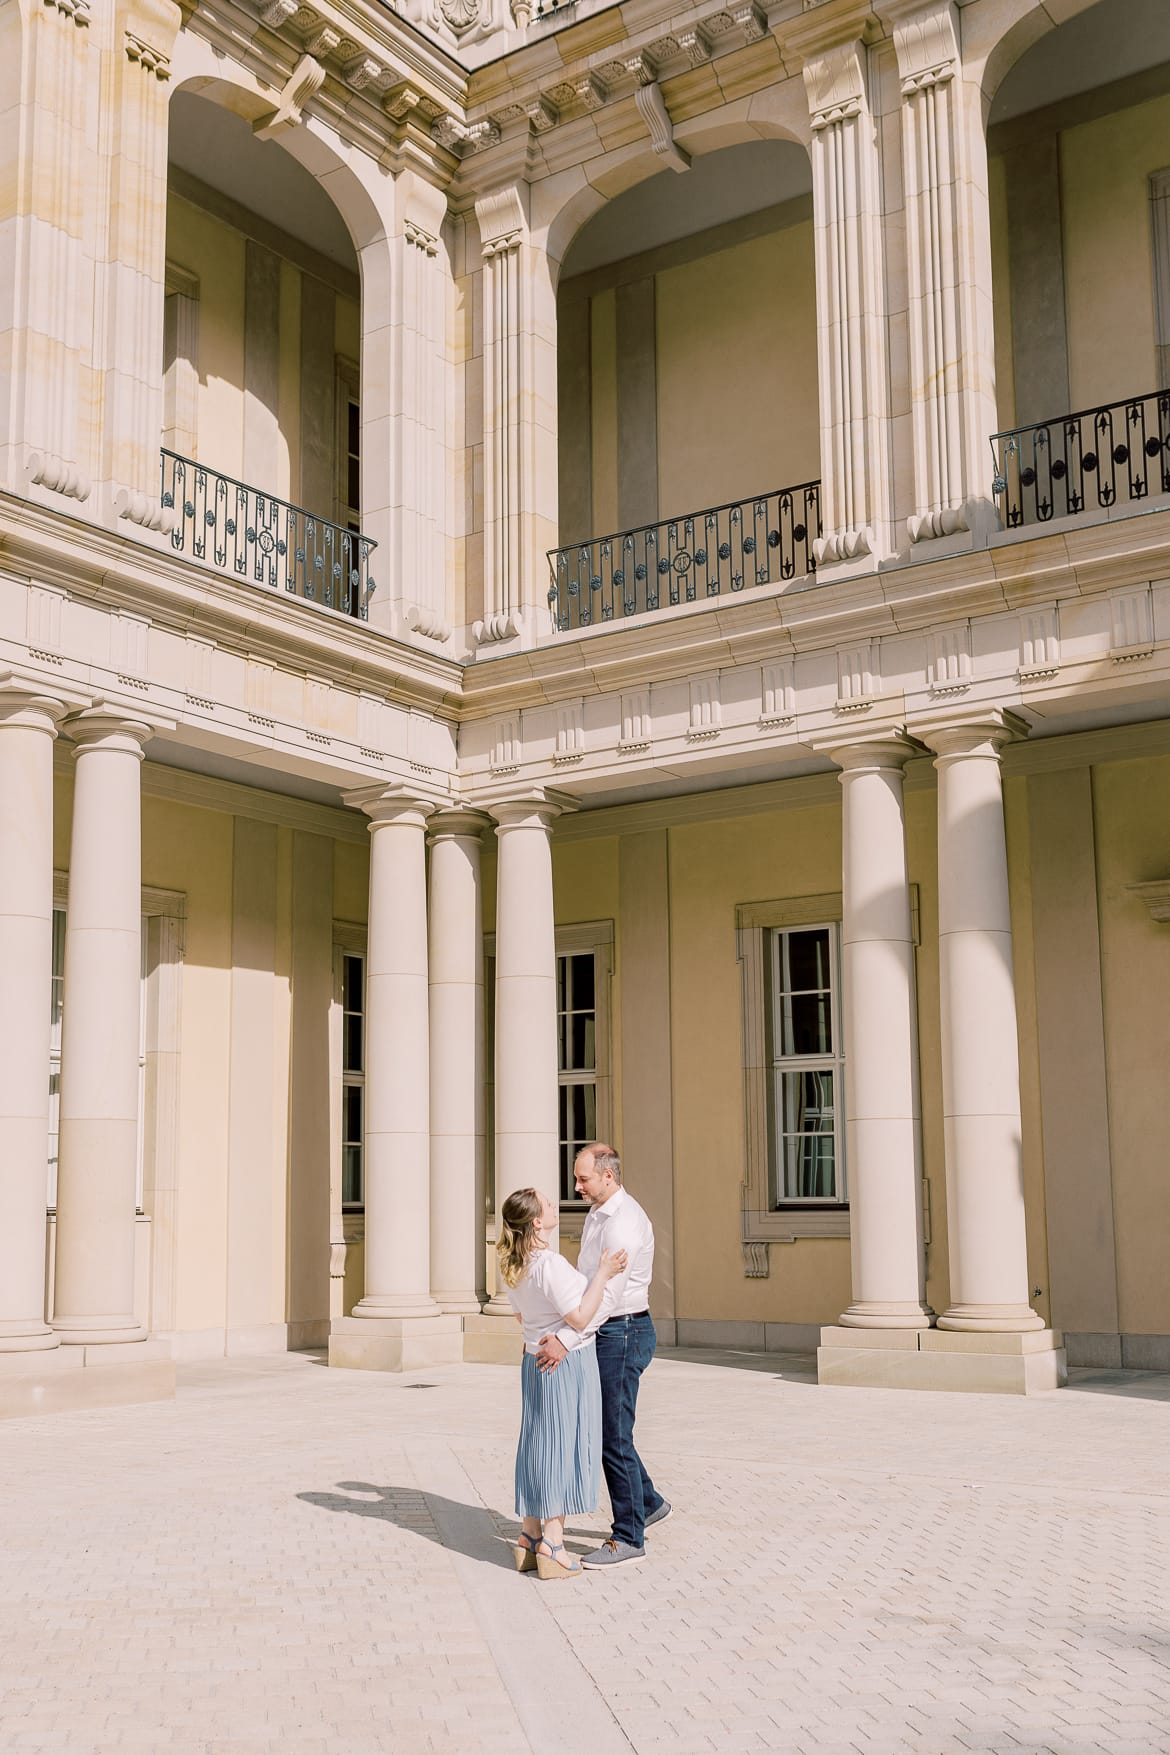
<point x="987" y="1364"/>
<point x="492" y="1339"/>
<point x="405" y="1343"/>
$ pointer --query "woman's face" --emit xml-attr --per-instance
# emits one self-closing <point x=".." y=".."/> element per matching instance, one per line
<point x="549" y="1214"/>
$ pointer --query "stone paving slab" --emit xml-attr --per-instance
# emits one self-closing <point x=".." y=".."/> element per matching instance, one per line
<point x="312" y="1562"/>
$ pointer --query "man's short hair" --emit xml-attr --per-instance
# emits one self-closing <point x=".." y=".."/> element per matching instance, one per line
<point x="603" y="1158"/>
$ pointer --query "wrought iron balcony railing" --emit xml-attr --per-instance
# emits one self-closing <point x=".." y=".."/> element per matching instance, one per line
<point x="1086" y="462"/>
<point x="758" y="541"/>
<point x="254" y="536"/>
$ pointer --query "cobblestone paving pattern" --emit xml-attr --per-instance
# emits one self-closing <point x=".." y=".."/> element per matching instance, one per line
<point x="288" y="1559"/>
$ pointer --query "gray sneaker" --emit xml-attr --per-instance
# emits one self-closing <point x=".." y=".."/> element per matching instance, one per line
<point x="612" y="1553"/>
<point x="661" y="1515"/>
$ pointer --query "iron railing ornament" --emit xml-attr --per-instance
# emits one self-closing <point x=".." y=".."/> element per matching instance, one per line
<point x="763" y="540"/>
<point x="1090" y="461"/>
<point x="255" y="536"/>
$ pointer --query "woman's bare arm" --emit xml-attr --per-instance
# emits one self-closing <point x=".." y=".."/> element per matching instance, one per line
<point x="612" y="1262"/>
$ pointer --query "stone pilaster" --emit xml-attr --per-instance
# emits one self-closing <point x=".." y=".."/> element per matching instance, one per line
<point x="948" y="249"/>
<point x="853" y="368"/>
<point x="50" y="92"/>
<point x="132" y="280"/>
<point x="519" y="417"/>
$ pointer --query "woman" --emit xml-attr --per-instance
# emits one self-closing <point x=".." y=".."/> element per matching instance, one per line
<point x="558" y="1461"/>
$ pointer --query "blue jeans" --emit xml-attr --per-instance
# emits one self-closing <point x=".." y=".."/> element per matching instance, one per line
<point x="625" y="1346"/>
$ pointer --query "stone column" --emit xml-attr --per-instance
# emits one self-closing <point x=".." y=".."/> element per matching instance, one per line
<point x="519" y="418"/>
<point x="396" y="1324"/>
<point x="980" y="1058"/>
<point x="527" y="1123"/>
<point x="28" y="725"/>
<point x="883" y="1112"/>
<point x="457" y="1063"/>
<point x="853" y="368"/>
<point x="948" y="249"/>
<point x="98" y="1160"/>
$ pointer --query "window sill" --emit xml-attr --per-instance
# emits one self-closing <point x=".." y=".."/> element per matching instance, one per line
<point x="789" y="1224"/>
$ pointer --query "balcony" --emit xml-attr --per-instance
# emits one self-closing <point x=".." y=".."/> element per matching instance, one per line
<point x="765" y="540"/>
<point x="255" y="537"/>
<point x="1090" y="462"/>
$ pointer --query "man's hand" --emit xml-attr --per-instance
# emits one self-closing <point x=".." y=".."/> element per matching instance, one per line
<point x="550" y="1352"/>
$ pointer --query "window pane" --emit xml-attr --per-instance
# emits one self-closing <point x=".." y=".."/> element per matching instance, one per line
<point x="805" y="960"/>
<point x="807" y="1101"/>
<point x="806" y="1024"/>
<point x="352" y="984"/>
<point x="354" y="482"/>
<point x="808" y="1167"/>
<point x="562" y="983"/>
<point x="583" y="1000"/>
<point x="352" y="1061"/>
<point x="581" y="1049"/>
<point x="584" y="1113"/>
<point x="351" y="1176"/>
<point x="354" y="433"/>
<point x="351" y="1126"/>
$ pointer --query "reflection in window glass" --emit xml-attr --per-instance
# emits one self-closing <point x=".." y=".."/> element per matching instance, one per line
<point x="806" y="1068"/>
<point x="577" y="1052"/>
<point x="353" y="1079"/>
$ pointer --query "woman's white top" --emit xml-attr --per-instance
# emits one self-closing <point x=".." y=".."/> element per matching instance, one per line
<point x="549" y="1290"/>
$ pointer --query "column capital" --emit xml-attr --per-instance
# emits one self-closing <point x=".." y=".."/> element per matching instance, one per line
<point x="390" y="804"/>
<point x="27" y="703"/>
<point x="885" y="749"/>
<point x="811" y="39"/>
<point x="110" y="728"/>
<point x="455" y="823"/>
<point x="968" y="731"/>
<point x="538" y="808"/>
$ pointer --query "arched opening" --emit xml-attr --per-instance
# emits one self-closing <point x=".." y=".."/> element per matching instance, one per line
<point x="262" y="353"/>
<point x="687" y="385"/>
<point x="1079" y="170"/>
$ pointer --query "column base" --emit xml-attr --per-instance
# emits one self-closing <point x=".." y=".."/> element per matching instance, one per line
<point x="990" y="1319"/>
<point x="492" y="1340"/>
<point x="94" y="1331"/>
<point x="402" y="1343"/>
<point x="930" y="1358"/>
<point x="395" y="1309"/>
<point x="65" y="1378"/>
<point x="18" y="1337"/>
<point x="458" y="1303"/>
<point x="897" y="1316"/>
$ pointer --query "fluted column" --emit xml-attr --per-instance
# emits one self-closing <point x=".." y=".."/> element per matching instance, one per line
<point x="948" y="251"/>
<point x="851" y="329"/>
<point x="980" y="1058"/>
<point x="457" y="1062"/>
<point x="98" y="1155"/>
<point x="28" y="725"/>
<point x="883" y="1114"/>
<point x="397" y="1144"/>
<point x="527" y="1122"/>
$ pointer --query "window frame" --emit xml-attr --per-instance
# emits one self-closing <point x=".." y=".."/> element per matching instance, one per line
<point x="762" y="1223"/>
<point x="780" y="1063"/>
<point x="349" y="940"/>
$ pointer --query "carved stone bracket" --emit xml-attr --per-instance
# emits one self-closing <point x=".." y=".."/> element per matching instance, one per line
<point x="652" y="108"/>
<point x="305" y="80"/>
<point x="150" y="59"/>
<point x="77" y="10"/>
<point x="58" y="475"/>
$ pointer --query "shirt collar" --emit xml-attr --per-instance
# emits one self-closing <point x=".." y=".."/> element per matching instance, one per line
<point x="614" y="1204"/>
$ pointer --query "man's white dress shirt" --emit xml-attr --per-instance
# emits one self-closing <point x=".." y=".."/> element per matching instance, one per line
<point x="618" y="1224"/>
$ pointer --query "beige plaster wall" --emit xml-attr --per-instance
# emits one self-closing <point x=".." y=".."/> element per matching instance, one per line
<point x="214" y="251"/>
<point x="737" y="372"/>
<point x="1105" y="166"/>
<point x="1131" y="807"/>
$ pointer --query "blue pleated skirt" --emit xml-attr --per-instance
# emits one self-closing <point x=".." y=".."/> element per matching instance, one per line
<point x="558" y="1459"/>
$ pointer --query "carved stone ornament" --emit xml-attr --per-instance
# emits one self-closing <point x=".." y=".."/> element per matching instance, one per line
<point x="77" y="10"/>
<point x="151" y="60"/>
<point x="460" y="14"/>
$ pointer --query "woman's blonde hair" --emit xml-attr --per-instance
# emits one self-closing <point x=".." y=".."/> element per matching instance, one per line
<point x="519" y="1236"/>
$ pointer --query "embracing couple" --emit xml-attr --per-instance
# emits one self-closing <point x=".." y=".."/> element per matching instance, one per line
<point x="588" y="1338"/>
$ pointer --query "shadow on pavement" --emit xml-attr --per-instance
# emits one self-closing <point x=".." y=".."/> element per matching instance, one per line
<point x="446" y="1522"/>
<point x="793" y="1367"/>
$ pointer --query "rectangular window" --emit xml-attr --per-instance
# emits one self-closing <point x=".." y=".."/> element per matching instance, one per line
<point x="56" y="1014"/>
<point x="805" y="1062"/>
<point x="353" y="1078"/>
<point x="576" y="1061"/>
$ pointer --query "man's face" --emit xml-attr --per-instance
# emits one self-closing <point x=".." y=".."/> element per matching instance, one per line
<point x="591" y="1183"/>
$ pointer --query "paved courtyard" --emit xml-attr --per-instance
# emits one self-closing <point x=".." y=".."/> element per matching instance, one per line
<point x="308" y="1561"/>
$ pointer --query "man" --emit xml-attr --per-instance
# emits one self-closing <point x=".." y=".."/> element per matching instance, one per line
<point x="625" y="1346"/>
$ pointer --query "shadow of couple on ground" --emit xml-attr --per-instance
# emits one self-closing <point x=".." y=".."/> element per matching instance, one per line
<point x="472" y="1530"/>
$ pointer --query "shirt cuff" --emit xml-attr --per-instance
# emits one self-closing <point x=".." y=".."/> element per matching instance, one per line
<point x="569" y="1338"/>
